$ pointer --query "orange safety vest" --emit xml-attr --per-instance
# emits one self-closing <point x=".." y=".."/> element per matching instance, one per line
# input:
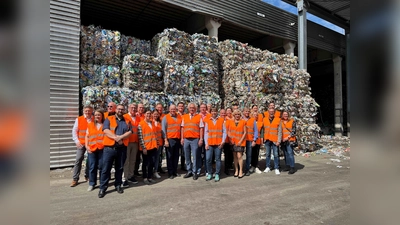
<point x="191" y="128"/>
<point x="149" y="135"/>
<point x="141" y="116"/>
<point x="276" y="115"/>
<point x="215" y="132"/>
<point x="259" y="126"/>
<point x="173" y="126"/>
<point x="159" y="134"/>
<point x="227" y="124"/>
<point x="271" y="129"/>
<point x="250" y="129"/>
<point x="95" y="137"/>
<point x="82" y="127"/>
<point x="260" y="117"/>
<point x="113" y="125"/>
<point x="237" y="132"/>
<point x="134" y="136"/>
<point x="286" y="132"/>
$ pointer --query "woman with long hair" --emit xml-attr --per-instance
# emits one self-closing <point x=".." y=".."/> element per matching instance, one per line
<point x="288" y="138"/>
<point x="157" y="123"/>
<point x="237" y="132"/>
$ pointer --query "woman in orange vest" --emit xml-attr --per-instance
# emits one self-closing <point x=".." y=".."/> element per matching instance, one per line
<point x="256" y="149"/>
<point x="288" y="138"/>
<point x="214" y="138"/>
<point x="158" y="159"/>
<point x="148" y="139"/>
<point x="94" y="146"/>
<point x="237" y="134"/>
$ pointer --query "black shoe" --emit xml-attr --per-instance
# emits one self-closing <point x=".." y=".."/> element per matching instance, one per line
<point x="125" y="183"/>
<point x="137" y="174"/>
<point x="247" y="173"/>
<point x="171" y="177"/>
<point x="176" y="175"/>
<point x="119" y="189"/>
<point x="188" y="175"/>
<point x="161" y="171"/>
<point x="285" y="169"/>
<point x="102" y="193"/>
<point x="292" y="170"/>
<point x="240" y="177"/>
<point x="133" y="180"/>
<point x="195" y="176"/>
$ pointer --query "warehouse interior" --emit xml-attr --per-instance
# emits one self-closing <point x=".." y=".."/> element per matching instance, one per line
<point x="143" y="19"/>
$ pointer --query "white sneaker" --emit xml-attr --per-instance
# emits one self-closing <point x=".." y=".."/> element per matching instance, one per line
<point x="258" y="171"/>
<point x="267" y="170"/>
<point x="156" y="175"/>
<point x="90" y="188"/>
<point x="277" y="172"/>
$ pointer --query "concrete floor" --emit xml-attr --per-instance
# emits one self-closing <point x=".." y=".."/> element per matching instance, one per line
<point x="319" y="193"/>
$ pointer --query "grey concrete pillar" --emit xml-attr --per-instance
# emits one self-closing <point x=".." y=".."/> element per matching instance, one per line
<point x="337" y="70"/>
<point x="289" y="47"/>
<point x="302" y="34"/>
<point x="212" y="25"/>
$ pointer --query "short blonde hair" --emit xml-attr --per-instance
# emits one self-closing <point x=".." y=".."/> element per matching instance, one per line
<point x="237" y="111"/>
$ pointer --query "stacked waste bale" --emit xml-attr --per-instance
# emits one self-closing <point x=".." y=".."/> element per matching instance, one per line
<point x="143" y="72"/>
<point x="173" y="44"/>
<point x="103" y="75"/>
<point x="132" y="45"/>
<point x="212" y="99"/>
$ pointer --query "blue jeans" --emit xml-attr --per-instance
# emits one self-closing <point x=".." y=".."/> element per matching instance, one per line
<point x="95" y="164"/>
<point x="268" y="146"/>
<point x="112" y="155"/>
<point x="157" y="158"/>
<point x="289" y="155"/>
<point x="148" y="163"/>
<point x="209" y="155"/>
<point x="191" y="147"/>
<point x="248" y="155"/>
<point x="173" y="155"/>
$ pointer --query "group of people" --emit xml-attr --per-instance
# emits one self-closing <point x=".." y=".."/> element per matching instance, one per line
<point x="198" y="138"/>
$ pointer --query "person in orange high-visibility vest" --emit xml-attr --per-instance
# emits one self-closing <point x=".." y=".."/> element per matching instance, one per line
<point x="171" y="126"/>
<point x="111" y="107"/>
<point x="251" y="139"/>
<point x="288" y="138"/>
<point x="94" y="146"/>
<point x="149" y="142"/>
<point x="140" y="114"/>
<point x="277" y="113"/>
<point x="192" y="140"/>
<point x="117" y="130"/>
<point x="78" y="136"/>
<point x="260" y="116"/>
<point x="229" y="115"/>
<point x="158" y="160"/>
<point x="256" y="148"/>
<point x="237" y="134"/>
<point x="204" y="116"/>
<point x="272" y="136"/>
<point x="214" y="138"/>
<point x="133" y="146"/>
<point x="140" y="111"/>
<point x="228" y="155"/>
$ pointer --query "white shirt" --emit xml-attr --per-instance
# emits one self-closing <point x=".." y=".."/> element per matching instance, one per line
<point x="75" y="129"/>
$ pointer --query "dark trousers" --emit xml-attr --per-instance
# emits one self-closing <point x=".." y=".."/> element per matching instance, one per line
<point x="182" y="152"/>
<point x="112" y="155"/>
<point x="137" y="163"/>
<point x="254" y="156"/>
<point x="228" y="156"/>
<point x="173" y="155"/>
<point x="95" y="164"/>
<point x="148" y="163"/>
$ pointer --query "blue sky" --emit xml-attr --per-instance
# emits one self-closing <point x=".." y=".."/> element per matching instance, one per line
<point x="292" y="9"/>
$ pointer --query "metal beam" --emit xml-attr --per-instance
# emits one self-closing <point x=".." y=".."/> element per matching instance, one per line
<point x="302" y="34"/>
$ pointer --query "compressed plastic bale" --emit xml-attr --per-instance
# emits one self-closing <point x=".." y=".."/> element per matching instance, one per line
<point x="205" y="49"/>
<point x="118" y="95"/>
<point x="212" y="99"/>
<point x="132" y="45"/>
<point x="149" y="99"/>
<point x="94" y="96"/>
<point x="179" y="77"/>
<point x="173" y="44"/>
<point x="107" y="45"/>
<point x="143" y="73"/>
<point x="87" y="44"/>
<point x="87" y="74"/>
<point x="206" y="79"/>
<point x="108" y="75"/>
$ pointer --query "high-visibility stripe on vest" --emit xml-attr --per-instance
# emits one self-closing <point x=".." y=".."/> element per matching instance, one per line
<point x="173" y="126"/>
<point x="271" y="129"/>
<point x="237" y="132"/>
<point x="259" y="126"/>
<point x="95" y="137"/>
<point x="149" y="135"/>
<point x="159" y="134"/>
<point x="82" y="127"/>
<point x="250" y="129"/>
<point x="191" y="127"/>
<point x="113" y="125"/>
<point x="134" y="136"/>
<point x="215" y="132"/>
<point x="286" y="132"/>
<point x="276" y="115"/>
